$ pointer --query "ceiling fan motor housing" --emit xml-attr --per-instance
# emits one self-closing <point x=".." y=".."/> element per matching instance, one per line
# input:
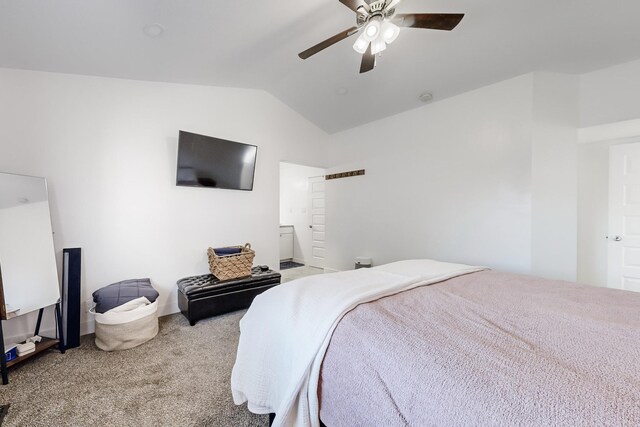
<point x="377" y="6"/>
<point x="376" y="9"/>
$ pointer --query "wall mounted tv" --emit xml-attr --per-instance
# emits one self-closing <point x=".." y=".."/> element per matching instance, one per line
<point x="205" y="161"/>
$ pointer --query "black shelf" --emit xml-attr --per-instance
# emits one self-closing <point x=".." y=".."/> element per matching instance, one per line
<point x="41" y="346"/>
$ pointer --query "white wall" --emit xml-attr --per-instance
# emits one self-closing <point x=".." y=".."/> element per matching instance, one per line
<point x="108" y="149"/>
<point x="487" y="177"/>
<point x="554" y="180"/>
<point x="294" y="200"/>
<point x="450" y="181"/>
<point x="610" y="95"/>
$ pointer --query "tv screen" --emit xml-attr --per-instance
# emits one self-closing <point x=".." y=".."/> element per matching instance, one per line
<point x="204" y="161"/>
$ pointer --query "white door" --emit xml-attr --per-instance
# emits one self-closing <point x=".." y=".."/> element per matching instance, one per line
<point x="624" y="217"/>
<point x="317" y="225"/>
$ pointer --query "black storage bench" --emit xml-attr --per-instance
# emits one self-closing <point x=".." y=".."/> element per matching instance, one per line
<point x="204" y="296"/>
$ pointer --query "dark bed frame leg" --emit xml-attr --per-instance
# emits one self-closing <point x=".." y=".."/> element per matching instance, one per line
<point x="273" y="417"/>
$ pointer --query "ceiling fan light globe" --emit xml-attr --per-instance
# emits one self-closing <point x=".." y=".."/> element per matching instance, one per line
<point x="372" y="30"/>
<point x="377" y="46"/>
<point x="361" y="45"/>
<point x="390" y="32"/>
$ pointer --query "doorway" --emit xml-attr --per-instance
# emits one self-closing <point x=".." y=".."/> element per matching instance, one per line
<point x="302" y="220"/>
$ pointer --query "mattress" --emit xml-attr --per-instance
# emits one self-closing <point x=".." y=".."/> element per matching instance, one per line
<point x="486" y="348"/>
<point x="286" y="331"/>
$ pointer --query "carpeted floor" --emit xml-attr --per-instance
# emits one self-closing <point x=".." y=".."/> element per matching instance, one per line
<point x="180" y="378"/>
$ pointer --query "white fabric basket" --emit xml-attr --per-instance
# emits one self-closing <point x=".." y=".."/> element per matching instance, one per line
<point x="127" y="326"/>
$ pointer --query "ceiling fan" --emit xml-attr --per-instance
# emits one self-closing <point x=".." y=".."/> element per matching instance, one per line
<point x="380" y="26"/>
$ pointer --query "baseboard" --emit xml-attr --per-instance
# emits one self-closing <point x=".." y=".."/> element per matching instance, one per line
<point x="300" y="261"/>
<point x="87" y="325"/>
<point x="168" y="309"/>
<point x="331" y="270"/>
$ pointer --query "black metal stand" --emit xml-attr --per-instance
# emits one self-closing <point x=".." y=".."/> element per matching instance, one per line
<point x="3" y="360"/>
<point x="61" y="346"/>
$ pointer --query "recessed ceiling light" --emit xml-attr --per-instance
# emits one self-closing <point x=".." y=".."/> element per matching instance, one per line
<point x="342" y="91"/>
<point x="426" y="97"/>
<point x="153" y="30"/>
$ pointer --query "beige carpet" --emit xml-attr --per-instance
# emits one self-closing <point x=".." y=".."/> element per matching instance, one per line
<point x="180" y="378"/>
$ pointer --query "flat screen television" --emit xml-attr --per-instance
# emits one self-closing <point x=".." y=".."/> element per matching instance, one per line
<point x="205" y="161"/>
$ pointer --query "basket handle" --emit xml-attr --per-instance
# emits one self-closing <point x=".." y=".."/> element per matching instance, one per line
<point x="247" y="245"/>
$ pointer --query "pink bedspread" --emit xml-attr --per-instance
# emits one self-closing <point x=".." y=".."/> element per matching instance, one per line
<point x="487" y="349"/>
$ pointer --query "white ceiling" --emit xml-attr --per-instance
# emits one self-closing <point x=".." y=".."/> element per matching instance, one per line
<point x="254" y="44"/>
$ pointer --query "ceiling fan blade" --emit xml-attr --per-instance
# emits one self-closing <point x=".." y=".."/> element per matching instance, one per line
<point x="368" y="61"/>
<point x="328" y="42"/>
<point x="355" y="4"/>
<point x="432" y="21"/>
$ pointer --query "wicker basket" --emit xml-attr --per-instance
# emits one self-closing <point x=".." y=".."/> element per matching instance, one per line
<point x="234" y="266"/>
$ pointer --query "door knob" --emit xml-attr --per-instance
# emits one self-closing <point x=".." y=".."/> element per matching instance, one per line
<point x="615" y="238"/>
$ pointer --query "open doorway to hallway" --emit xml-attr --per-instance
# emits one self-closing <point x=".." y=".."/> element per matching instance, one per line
<point x="302" y="225"/>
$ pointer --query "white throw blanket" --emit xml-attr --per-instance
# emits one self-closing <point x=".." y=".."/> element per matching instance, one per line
<point x="285" y="333"/>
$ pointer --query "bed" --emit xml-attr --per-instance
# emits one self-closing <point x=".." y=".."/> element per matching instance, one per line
<point x="458" y="346"/>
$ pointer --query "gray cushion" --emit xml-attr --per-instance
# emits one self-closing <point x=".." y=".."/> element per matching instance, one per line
<point x="115" y="295"/>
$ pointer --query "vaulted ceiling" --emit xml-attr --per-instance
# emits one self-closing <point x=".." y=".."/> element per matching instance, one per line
<point x="254" y="44"/>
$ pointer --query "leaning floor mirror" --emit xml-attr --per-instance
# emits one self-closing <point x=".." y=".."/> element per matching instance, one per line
<point x="28" y="272"/>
